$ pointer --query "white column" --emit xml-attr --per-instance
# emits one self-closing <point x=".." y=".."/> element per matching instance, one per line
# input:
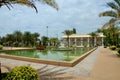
<point x="95" y="41"/>
<point x="69" y="42"/>
<point x="102" y="41"/>
<point x="75" y="42"/>
<point x="81" y="42"/>
<point x="88" y="42"/>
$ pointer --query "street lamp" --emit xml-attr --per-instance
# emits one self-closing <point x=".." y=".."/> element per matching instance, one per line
<point x="47" y="30"/>
<point x="47" y="35"/>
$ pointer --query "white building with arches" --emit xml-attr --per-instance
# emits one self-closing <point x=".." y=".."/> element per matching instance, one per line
<point x="84" y="40"/>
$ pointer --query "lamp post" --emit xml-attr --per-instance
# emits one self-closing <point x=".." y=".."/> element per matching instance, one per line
<point x="47" y="35"/>
<point x="47" y="30"/>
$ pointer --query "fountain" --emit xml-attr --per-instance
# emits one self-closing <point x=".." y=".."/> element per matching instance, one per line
<point x="62" y="48"/>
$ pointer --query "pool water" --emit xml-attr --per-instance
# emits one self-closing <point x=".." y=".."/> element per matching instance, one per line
<point x="49" y="54"/>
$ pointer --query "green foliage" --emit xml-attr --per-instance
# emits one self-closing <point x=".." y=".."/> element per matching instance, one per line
<point x="45" y="40"/>
<point x="113" y="13"/>
<point x="19" y="39"/>
<point x="22" y="73"/>
<point x="111" y="36"/>
<point x="68" y="33"/>
<point x="15" y="44"/>
<point x="3" y="76"/>
<point x="1" y="47"/>
<point x="112" y="47"/>
<point x="74" y="31"/>
<point x="118" y="51"/>
<point x="105" y="46"/>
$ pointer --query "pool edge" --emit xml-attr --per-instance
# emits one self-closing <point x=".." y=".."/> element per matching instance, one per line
<point x="50" y="62"/>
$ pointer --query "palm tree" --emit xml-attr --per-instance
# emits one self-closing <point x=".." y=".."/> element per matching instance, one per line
<point x="114" y="14"/>
<point x="44" y="40"/>
<point x="74" y="31"/>
<point x="114" y="34"/>
<point x="68" y="33"/>
<point x="93" y="34"/>
<point x="9" y="39"/>
<point x="29" y="3"/>
<point x="35" y="37"/>
<point x="27" y="38"/>
<point x="18" y="36"/>
<point x="54" y="41"/>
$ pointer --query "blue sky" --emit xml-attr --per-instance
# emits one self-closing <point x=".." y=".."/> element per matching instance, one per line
<point x="79" y="14"/>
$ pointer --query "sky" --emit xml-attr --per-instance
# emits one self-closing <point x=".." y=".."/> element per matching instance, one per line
<point x="79" y="14"/>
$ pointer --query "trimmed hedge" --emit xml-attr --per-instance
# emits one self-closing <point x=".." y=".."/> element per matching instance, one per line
<point x="22" y="73"/>
<point x="1" y="47"/>
<point x="112" y="47"/>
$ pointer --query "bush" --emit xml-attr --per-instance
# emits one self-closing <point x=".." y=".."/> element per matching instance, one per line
<point x="119" y="50"/>
<point x="105" y="46"/>
<point x="22" y="73"/>
<point x="16" y="44"/>
<point x="112" y="47"/>
<point x="1" y="47"/>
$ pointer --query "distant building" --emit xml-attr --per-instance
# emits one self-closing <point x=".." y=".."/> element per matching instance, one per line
<point x="84" y="40"/>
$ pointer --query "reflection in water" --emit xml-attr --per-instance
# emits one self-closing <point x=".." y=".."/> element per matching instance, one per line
<point x="50" y="55"/>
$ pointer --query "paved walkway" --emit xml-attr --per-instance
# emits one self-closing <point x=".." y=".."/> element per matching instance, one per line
<point x="102" y="64"/>
<point x="85" y="67"/>
<point x="107" y="66"/>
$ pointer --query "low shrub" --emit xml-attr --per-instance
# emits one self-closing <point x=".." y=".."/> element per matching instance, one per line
<point x="112" y="47"/>
<point x="118" y="51"/>
<point x="22" y="73"/>
<point x="1" y="47"/>
<point x="105" y="46"/>
<point x="3" y="76"/>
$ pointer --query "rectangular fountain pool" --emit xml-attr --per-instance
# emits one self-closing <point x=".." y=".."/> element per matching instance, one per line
<point x="49" y="54"/>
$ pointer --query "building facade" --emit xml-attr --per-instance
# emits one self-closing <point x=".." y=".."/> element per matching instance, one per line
<point x="83" y="40"/>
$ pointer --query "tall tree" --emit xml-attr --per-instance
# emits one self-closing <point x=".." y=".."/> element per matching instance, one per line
<point x="29" y="3"/>
<point x="114" y="14"/>
<point x="9" y="39"/>
<point x="68" y="33"/>
<point x="114" y="35"/>
<point x="35" y="37"/>
<point x="54" y="41"/>
<point x="27" y="38"/>
<point x="111" y="36"/>
<point x="44" y="40"/>
<point x="74" y="31"/>
<point x="18" y="36"/>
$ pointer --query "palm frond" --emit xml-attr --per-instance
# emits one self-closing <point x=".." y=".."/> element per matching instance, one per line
<point x="109" y="24"/>
<point x="117" y="2"/>
<point x="108" y="13"/>
<point x="24" y="2"/>
<point x="113" y="6"/>
<point x="6" y="3"/>
<point x="51" y="3"/>
<point x="106" y="25"/>
<point x="29" y="3"/>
